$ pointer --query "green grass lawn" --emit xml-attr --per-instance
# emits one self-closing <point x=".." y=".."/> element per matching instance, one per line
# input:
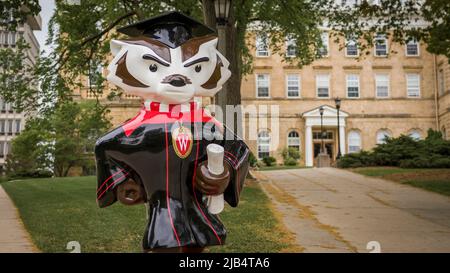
<point x="436" y="180"/>
<point x="58" y="210"/>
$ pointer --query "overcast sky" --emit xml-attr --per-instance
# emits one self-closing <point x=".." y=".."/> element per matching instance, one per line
<point x="47" y="7"/>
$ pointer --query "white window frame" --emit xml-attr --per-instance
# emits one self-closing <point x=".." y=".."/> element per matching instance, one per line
<point x="418" y="48"/>
<point x="346" y="47"/>
<point x="294" y="139"/>
<point x="347" y="80"/>
<point x="388" y="85"/>
<point x="317" y="85"/>
<point x="408" y="87"/>
<point x="18" y="126"/>
<point x="299" y="82"/>
<point x="385" y="133"/>
<point x="257" y="86"/>
<point x="349" y="140"/>
<point x="325" y="44"/>
<point x="415" y="132"/>
<point x="290" y="41"/>
<point x="378" y="38"/>
<point x="266" y="142"/>
<point x="258" y="39"/>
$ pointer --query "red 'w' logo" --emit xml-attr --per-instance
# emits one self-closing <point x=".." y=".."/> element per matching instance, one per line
<point x="182" y="141"/>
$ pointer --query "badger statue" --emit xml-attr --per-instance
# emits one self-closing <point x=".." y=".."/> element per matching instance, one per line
<point x="159" y="157"/>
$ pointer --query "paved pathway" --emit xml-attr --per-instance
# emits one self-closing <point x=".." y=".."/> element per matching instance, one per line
<point x="13" y="237"/>
<point x="332" y="210"/>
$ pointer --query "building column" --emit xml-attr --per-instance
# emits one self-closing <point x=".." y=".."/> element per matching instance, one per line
<point x="342" y="138"/>
<point x="308" y="146"/>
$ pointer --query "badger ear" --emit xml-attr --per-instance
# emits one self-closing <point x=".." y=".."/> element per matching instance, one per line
<point x="214" y="42"/>
<point x="115" y="46"/>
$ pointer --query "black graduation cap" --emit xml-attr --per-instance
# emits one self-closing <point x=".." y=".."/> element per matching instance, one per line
<point x="170" y="28"/>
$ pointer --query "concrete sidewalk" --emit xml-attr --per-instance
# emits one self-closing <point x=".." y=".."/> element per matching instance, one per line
<point x="332" y="210"/>
<point x="13" y="236"/>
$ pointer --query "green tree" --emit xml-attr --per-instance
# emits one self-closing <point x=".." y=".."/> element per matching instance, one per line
<point x="30" y="155"/>
<point x="59" y="141"/>
<point x="74" y="129"/>
<point x="15" y="12"/>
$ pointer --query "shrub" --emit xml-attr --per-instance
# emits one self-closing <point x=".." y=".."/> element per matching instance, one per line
<point x="269" y="161"/>
<point x="290" y="156"/>
<point x="405" y="152"/>
<point x="252" y="160"/>
<point x="354" y="160"/>
<point x="290" y="161"/>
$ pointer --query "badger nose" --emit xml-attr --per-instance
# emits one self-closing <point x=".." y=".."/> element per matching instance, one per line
<point x="177" y="81"/>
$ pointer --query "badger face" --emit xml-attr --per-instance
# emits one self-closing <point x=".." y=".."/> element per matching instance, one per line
<point x="148" y="68"/>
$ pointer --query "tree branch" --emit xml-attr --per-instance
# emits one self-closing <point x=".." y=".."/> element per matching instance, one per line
<point x="63" y="59"/>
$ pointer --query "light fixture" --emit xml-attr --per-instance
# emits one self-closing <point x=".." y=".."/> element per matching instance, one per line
<point x="222" y="9"/>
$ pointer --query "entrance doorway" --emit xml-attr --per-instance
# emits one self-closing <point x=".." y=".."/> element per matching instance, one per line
<point x="328" y="146"/>
<point x="328" y="143"/>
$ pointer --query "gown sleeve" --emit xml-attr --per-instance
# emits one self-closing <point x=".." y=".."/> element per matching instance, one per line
<point x="110" y="172"/>
<point x="236" y="155"/>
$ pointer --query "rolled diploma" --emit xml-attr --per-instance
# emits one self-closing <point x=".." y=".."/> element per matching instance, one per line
<point x="215" y="166"/>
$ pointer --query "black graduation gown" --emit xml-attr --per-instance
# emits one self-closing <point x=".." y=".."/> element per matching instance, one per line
<point x="143" y="149"/>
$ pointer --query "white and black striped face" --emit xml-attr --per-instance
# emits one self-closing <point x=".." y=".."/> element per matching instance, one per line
<point x="147" y="68"/>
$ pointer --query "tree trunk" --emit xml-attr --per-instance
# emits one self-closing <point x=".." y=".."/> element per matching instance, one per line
<point x="232" y="90"/>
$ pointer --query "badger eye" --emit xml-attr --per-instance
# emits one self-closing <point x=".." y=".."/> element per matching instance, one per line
<point x="198" y="68"/>
<point x="153" y="67"/>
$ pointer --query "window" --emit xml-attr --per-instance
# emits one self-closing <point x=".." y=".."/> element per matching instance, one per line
<point x="382" y="85"/>
<point x="354" y="142"/>
<point x="262" y="45"/>
<point x="351" y="49"/>
<point x="326" y="135"/>
<point x="2" y="106"/>
<point x="294" y="140"/>
<point x="263" y="144"/>
<point x="413" y="85"/>
<point x="381" y="45"/>
<point x="10" y="126"/>
<point x="412" y="48"/>
<point x="2" y="126"/>
<point x="441" y="82"/>
<point x="323" y="50"/>
<point x="415" y="134"/>
<point x="353" y="86"/>
<point x="4" y="38"/>
<point x="95" y="75"/>
<point x="9" y="107"/>
<point x="2" y="149"/>
<point x="262" y="85"/>
<point x="382" y="135"/>
<point x="323" y="85"/>
<point x="18" y="126"/>
<point x="293" y="85"/>
<point x="7" y="147"/>
<point x="290" y="47"/>
<point x="12" y="38"/>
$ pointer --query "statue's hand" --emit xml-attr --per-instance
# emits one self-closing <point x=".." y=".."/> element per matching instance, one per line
<point x="209" y="183"/>
<point x="130" y="193"/>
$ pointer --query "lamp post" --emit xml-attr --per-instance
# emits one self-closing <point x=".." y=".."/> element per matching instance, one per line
<point x="321" y="128"/>
<point x="338" y="106"/>
<point x="222" y="11"/>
